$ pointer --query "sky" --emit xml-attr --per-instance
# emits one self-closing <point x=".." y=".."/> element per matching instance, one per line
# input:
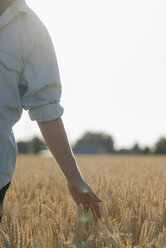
<point x="112" y="61"/>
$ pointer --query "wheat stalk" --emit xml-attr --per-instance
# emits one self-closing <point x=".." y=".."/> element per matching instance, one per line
<point x="7" y="245"/>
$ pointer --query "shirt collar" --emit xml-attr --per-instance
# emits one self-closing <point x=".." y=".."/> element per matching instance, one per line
<point x="20" y="6"/>
<point x="12" y="11"/>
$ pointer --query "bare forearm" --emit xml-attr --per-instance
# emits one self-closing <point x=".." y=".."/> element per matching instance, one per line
<point x="56" y="140"/>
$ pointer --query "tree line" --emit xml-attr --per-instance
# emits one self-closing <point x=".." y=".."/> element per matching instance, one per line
<point x="94" y="143"/>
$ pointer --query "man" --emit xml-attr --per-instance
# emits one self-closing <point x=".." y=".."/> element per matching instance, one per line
<point x="30" y="80"/>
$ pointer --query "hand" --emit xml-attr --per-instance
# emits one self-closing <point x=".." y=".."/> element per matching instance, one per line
<point x="84" y="196"/>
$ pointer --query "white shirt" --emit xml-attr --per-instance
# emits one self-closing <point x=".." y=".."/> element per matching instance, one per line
<point x="29" y="78"/>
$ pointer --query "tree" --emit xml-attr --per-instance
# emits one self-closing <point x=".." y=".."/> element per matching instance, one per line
<point x="146" y="150"/>
<point x="33" y="146"/>
<point x="97" y="140"/>
<point x="22" y="147"/>
<point x="136" y="149"/>
<point x="36" y="145"/>
<point x="160" y="146"/>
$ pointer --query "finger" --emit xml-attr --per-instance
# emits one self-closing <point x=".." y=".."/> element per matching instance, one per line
<point x="86" y="206"/>
<point x="94" y="197"/>
<point x="93" y="211"/>
<point x="97" y="209"/>
<point x="80" y="206"/>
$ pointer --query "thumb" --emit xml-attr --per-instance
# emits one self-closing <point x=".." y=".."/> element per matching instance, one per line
<point x="94" y="197"/>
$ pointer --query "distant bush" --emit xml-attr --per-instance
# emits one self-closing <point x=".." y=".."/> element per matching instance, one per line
<point x="33" y="146"/>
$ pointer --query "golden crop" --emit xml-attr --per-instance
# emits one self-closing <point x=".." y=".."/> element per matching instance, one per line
<point x="40" y="212"/>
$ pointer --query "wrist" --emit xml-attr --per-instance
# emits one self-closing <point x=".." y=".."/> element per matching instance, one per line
<point x="72" y="172"/>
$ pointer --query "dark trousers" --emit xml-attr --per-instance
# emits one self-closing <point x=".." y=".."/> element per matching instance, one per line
<point x="2" y="195"/>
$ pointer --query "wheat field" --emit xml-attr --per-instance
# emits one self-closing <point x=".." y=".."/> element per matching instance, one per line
<point x="40" y="212"/>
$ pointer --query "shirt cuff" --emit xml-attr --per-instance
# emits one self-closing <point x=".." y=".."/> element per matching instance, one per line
<point x="47" y="112"/>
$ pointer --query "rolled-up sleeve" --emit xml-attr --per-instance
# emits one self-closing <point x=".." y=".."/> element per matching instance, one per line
<point x="42" y="85"/>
